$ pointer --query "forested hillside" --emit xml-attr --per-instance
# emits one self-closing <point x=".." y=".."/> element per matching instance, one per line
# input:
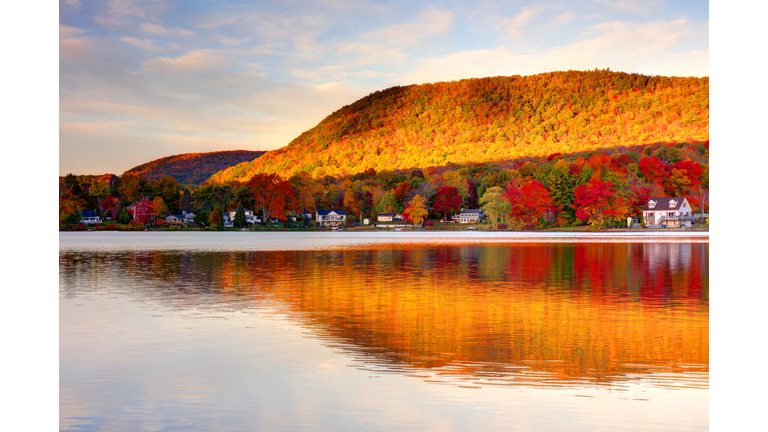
<point x="492" y="119"/>
<point x="191" y="168"/>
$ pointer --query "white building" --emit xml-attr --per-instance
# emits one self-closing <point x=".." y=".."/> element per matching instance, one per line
<point x="229" y="217"/>
<point x="668" y="212"/>
<point x="470" y="216"/>
<point x="331" y="217"/>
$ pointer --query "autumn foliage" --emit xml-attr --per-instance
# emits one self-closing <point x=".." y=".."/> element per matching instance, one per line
<point x="492" y="119"/>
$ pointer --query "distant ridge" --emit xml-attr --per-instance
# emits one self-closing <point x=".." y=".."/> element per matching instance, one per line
<point x="492" y="119"/>
<point x="191" y="168"/>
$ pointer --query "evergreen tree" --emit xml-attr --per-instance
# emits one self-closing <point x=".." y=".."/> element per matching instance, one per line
<point x="124" y="217"/>
<point x="186" y="201"/>
<point x="239" y="220"/>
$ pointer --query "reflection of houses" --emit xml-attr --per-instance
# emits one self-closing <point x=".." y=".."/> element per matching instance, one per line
<point x="141" y="211"/>
<point x="229" y="217"/>
<point x="470" y="216"/>
<point x="386" y="217"/>
<point x="331" y="217"/>
<point x="667" y="212"/>
<point x="89" y="217"/>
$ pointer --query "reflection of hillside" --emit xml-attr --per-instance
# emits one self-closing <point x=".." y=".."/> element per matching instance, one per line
<point x="528" y="312"/>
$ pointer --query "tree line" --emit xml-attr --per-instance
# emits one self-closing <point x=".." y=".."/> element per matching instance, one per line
<point x="593" y="188"/>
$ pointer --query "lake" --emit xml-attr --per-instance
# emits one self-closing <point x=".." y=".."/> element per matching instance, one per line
<point x="290" y="331"/>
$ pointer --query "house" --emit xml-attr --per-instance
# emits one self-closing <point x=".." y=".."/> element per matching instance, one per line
<point x="668" y="212"/>
<point x="175" y="219"/>
<point x="470" y="216"/>
<point x="141" y="211"/>
<point x="386" y="217"/>
<point x="229" y="217"/>
<point x="189" y="217"/>
<point x="89" y="217"/>
<point x="331" y="217"/>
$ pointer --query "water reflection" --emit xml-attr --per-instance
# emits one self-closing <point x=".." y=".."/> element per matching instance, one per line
<point x="552" y="315"/>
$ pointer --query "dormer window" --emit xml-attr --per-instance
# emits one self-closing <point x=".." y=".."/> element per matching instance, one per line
<point x="672" y="203"/>
<point x="651" y="204"/>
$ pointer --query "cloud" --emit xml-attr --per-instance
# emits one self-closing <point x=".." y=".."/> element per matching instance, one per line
<point x="514" y="26"/>
<point x="125" y="12"/>
<point x="195" y="60"/>
<point x="159" y="30"/>
<point x="430" y="23"/>
<point x="636" y="6"/>
<point x="147" y="44"/>
<point x="652" y="48"/>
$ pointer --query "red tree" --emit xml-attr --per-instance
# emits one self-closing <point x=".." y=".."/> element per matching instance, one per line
<point x="596" y="200"/>
<point x="447" y="199"/>
<point x="529" y="202"/>
<point x="654" y="169"/>
<point x="273" y="196"/>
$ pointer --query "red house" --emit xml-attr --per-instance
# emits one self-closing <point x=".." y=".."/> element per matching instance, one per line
<point x="141" y="211"/>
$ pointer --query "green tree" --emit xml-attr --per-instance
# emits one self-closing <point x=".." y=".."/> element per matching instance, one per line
<point x="125" y="217"/>
<point x="495" y="205"/>
<point x="239" y="220"/>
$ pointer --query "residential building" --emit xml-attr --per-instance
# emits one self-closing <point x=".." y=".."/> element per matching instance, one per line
<point x="229" y="217"/>
<point x="141" y="211"/>
<point x="668" y="212"/>
<point x="331" y="217"/>
<point x="386" y="217"/>
<point x="89" y="217"/>
<point x="470" y="216"/>
<point x="175" y="219"/>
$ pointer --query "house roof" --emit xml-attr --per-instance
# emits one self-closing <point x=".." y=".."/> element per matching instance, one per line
<point x="387" y="214"/>
<point x="326" y="212"/>
<point x="88" y="213"/>
<point x="663" y="203"/>
<point x="465" y="211"/>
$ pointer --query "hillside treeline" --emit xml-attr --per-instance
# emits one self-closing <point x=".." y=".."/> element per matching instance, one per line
<point x="491" y="120"/>
<point x="191" y="168"/>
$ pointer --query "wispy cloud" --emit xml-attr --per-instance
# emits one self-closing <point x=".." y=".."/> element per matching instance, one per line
<point x="125" y="12"/>
<point x="196" y="60"/>
<point x="147" y="44"/>
<point x="158" y="29"/>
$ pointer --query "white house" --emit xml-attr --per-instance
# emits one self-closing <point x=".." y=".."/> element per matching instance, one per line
<point x="88" y="217"/>
<point x="331" y="217"/>
<point x="668" y="212"/>
<point x="189" y="217"/>
<point x="470" y="216"/>
<point x="229" y="217"/>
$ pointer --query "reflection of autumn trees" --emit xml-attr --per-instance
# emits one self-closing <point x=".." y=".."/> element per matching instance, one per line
<point x="587" y="311"/>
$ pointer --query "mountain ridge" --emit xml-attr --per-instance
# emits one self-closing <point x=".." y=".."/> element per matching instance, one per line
<point x="491" y="119"/>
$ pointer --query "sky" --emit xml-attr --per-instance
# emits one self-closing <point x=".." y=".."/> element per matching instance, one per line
<point x="144" y="79"/>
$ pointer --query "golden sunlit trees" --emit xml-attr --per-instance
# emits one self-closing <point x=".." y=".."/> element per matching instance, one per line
<point x="416" y="211"/>
<point x="159" y="209"/>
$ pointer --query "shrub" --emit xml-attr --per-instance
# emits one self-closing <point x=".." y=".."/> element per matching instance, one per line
<point x="501" y="226"/>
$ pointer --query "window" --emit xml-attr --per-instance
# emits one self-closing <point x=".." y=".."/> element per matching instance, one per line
<point x="671" y="214"/>
<point x="651" y="204"/>
<point x="672" y="203"/>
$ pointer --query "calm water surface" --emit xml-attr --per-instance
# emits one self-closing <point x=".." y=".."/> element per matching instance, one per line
<point x="343" y="331"/>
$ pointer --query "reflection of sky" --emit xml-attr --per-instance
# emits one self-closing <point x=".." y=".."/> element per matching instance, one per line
<point x="142" y="79"/>
<point x="260" y="372"/>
